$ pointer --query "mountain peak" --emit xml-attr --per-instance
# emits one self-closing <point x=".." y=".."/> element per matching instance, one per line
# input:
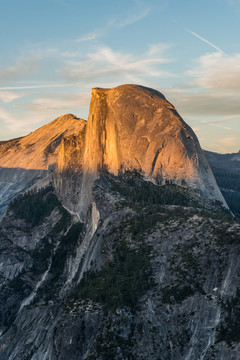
<point x="135" y="127"/>
<point x="132" y="127"/>
<point x="128" y="88"/>
<point x="38" y="150"/>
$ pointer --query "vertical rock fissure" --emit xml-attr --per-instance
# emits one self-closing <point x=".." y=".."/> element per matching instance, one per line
<point x="155" y="158"/>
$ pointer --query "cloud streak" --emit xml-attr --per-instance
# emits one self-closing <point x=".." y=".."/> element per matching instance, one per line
<point x="90" y="36"/>
<point x="109" y="65"/>
<point x="8" y="96"/>
<point x="113" y="23"/>
<point x="79" y="100"/>
<point x="204" y="40"/>
<point x="133" y="19"/>
<point x="217" y="71"/>
<point x="228" y="142"/>
<point x="39" y="86"/>
<point x="101" y="65"/>
<point x="24" y="122"/>
<point x="205" y="104"/>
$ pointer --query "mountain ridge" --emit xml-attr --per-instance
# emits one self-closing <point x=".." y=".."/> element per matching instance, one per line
<point x="226" y="169"/>
<point x="21" y="152"/>
<point x="25" y="160"/>
<point x="97" y="263"/>
<point x="131" y="127"/>
<point x="148" y="275"/>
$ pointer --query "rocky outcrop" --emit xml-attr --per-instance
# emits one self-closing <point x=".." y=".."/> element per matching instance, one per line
<point x="26" y="160"/>
<point x="129" y="127"/>
<point x="132" y="127"/>
<point x="38" y="150"/>
<point x="152" y="274"/>
<point x="69" y="175"/>
<point x="117" y="267"/>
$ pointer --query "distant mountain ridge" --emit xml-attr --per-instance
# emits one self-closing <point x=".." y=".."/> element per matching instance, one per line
<point x="226" y="169"/>
<point x="230" y="161"/>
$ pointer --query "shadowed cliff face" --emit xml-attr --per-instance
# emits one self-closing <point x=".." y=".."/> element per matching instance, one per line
<point x="131" y="127"/>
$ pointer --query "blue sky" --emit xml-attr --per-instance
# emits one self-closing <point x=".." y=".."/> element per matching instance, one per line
<point x="54" y="51"/>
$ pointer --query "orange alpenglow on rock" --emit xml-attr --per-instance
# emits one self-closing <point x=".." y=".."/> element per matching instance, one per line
<point x="27" y="160"/>
<point x="39" y="149"/>
<point x="132" y="127"/>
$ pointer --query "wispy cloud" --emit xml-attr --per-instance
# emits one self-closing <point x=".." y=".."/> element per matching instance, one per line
<point x="33" y="64"/>
<point x="24" y="122"/>
<point x="228" y="142"/>
<point x="6" y="116"/>
<point x="22" y="67"/>
<point x="206" y="103"/>
<point x="217" y="124"/>
<point x="116" y="65"/>
<point x="114" y="23"/>
<point x="224" y="141"/>
<point x="158" y="49"/>
<point x="72" y="101"/>
<point x="90" y="36"/>
<point x="9" y="96"/>
<point x="225" y="120"/>
<point x="100" y="66"/>
<point x="204" y="40"/>
<point x="133" y="19"/>
<point x="217" y="71"/>
<point x="37" y="86"/>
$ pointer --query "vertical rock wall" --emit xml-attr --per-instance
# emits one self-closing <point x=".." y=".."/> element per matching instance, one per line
<point x="131" y="127"/>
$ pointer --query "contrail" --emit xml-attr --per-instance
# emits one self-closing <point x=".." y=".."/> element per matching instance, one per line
<point x="204" y="40"/>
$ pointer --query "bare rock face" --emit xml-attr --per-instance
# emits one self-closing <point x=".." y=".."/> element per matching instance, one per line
<point x="132" y="127"/>
<point x="25" y="160"/>
<point x="68" y="176"/>
<point x="129" y="127"/>
<point x="38" y="150"/>
<point x="163" y="280"/>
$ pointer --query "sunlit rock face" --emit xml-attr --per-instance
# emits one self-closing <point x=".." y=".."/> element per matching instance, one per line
<point x="26" y="160"/>
<point x="134" y="127"/>
<point x="38" y="150"/>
